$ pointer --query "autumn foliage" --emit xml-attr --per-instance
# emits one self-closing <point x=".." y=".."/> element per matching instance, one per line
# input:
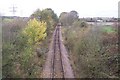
<point x="35" y="31"/>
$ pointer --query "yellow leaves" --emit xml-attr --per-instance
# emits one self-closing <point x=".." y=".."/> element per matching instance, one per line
<point x="35" y="30"/>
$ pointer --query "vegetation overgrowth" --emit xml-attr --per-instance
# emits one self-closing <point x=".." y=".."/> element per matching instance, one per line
<point x="93" y="50"/>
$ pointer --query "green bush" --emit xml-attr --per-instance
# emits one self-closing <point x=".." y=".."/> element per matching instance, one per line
<point x="19" y="57"/>
<point x="93" y="53"/>
<point x="9" y="49"/>
<point x="79" y="23"/>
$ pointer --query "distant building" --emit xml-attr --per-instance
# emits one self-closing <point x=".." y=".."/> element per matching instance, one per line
<point x="99" y="19"/>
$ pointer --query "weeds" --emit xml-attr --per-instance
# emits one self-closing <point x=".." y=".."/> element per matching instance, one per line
<point x="93" y="52"/>
<point x="20" y="60"/>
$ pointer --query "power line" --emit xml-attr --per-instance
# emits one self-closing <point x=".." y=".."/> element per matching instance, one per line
<point x="13" y="10"/>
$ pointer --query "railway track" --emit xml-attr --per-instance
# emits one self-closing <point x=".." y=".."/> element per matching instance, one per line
<point x="57" y="64"/>
<point x="58" y="71"/>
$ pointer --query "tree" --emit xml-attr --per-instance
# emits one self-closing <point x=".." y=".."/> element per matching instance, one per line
<point x="75" y="14"/>
<point x="79" y="23"/>
<point x="72" y="17"/>
<point x="30" y="38"/>
<point x="63" y="18"/>
<point x="67" y="19"/>
<point x="35" y="31"/>
<point x="36" y="14"/>
<point x="47" y="15"/>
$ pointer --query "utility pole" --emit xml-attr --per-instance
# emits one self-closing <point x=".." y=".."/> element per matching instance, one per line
<point x="13" y="10"/>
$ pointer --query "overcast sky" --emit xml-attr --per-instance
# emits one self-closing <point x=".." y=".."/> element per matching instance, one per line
<point x="85" y="8"/>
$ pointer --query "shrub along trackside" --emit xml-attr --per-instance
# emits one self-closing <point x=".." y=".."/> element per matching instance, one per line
<point x="93" y="51"/>
<point x="25" y="44"/>
<point x="19" y="53"/>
